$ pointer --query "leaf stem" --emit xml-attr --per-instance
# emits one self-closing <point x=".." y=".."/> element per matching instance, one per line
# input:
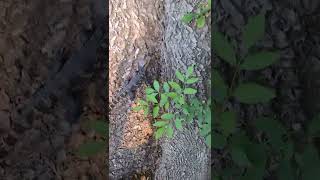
<point x="233" y="79"/>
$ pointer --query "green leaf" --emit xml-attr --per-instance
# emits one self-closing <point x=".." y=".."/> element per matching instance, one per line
<point x="189" y="91"/>
<point x="152" y="98"/>
<point x="209" y="3"/>
<point x="155" y="112"/>
<point x="185" y="110"/>
<point x="187" y="18"/>
<point x="310" y="157"/>
<point x="142" y="102"/>
<point x="166" y="87"/>
<point x="273" y="129"/>
<point x="228" y="122"/>
<point x="220" y="89"/>
<point x="181" y="100"/>
<point x="259" y="60"/>
<point x="137" y="108"/>
<point x="219" y="141"/>
<point x="172" y="94"/>
<point x="310" y="163"/>
<point x="205" y="130"/>
<point x="156" y="85"/>
<point x="285" y="171"/>
<point x="145" y="111"/>
<point x="310" y="174"/>
<point x="179" y="75"/>
<point x="288" y="150"/>
<point x="257" y="155"/>
<point x="91" y="148"/>
<point x="149" y="90"/>
<point x="175" y="86"/>
<point x="167" y="116"/>
<point x="240" y="157"/>
<point x="253" y="174"/>
<point x="208" y="140"/>
<point x="240" y="140"/>
<point x="159" y="132"/>
<point x="163" y="100"/>
<point x="192" y="80"/>
<point x="254" y="30"/>
<point x="223" y="48"/>
<point x="190" y="71"/>
<point x="166" y="106"/>
<point x="201" y="21"/>
<point x="314" y="126"/>
<point x="100" y="127"/>
<point x="170" y="131"/>
<point x="178" y="124"/>
<point x="251" y="93"/>
<point x="160" y="123"/>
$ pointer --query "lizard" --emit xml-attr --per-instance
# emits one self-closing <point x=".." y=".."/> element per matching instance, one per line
<point x="135" y="79"/>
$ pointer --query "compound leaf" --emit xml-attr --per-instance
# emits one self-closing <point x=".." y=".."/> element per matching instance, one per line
<point x="223" y="48"/>
<point x="259" y="60"/>
<point x="170" y="131"/>
<point x="187" y="18"/>
<point x="155" y="111"/>
<point x="189" y="91"/>
<point x="254" y="30"/>
<point x="228" y="122"/>
<point x="179" y="75"/>
<point x="160" y="123"/>
<point x="251" y="93"/>
<point x="201" y="21"/>
<point x="156" y="85"/>
<point x="167" y="116"/>
<point x="159" y="132"/>
<point x="178" y="124"/>
<point x="219" y="87"/>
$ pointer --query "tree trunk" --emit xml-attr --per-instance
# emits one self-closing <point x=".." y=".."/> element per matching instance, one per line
<point x="186" y="155"/>
<point x="135" y="29"/>
<point x="138" y="24"/>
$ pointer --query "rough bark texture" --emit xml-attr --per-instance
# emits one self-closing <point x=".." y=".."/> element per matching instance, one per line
<point x="186" y="155"/>
<point x="135" y="29"/>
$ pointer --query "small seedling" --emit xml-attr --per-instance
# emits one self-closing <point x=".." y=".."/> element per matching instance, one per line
<point x="199" y="16"/>
<point x="173" y="104"/>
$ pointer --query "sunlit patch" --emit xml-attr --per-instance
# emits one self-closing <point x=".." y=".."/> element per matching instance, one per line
<point x="138" y="130"/>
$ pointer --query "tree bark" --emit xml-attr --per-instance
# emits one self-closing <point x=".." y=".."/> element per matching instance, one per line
<point x="134" y="30"/>
<point x="186" y="155"/>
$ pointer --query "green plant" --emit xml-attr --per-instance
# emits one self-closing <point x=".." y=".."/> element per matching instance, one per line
<point x="266" y="145"/>
<point x="199" y="16"/>
<point x="93" y="147"/>
<point x="174" y="104"/>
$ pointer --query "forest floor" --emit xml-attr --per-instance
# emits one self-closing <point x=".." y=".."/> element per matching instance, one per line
<point x="36" y="40"/>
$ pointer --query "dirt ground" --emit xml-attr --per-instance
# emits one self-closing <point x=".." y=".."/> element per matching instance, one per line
<point x="36" y="40"/>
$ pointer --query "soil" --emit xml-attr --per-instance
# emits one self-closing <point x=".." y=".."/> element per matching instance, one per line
<point x="37" y="39"/>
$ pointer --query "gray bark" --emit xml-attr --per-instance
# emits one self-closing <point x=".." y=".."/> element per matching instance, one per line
<point x="186" y="155"/>
<point x="135" y="28"/>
